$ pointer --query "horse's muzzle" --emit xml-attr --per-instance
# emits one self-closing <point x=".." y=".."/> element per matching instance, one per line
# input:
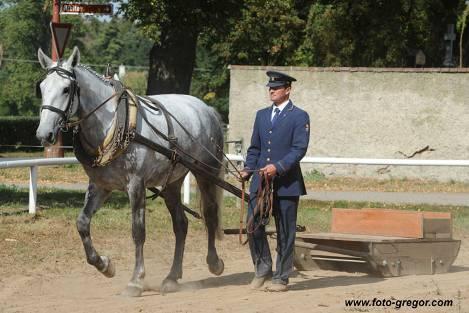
<point x="46" y="139"/>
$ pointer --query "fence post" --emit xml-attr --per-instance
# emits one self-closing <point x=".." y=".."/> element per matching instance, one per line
<point x="187" y="189"/>
<point x="32" y="189"/>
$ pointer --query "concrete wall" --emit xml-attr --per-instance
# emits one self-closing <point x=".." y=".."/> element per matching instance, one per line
<point x="368" y="113"/>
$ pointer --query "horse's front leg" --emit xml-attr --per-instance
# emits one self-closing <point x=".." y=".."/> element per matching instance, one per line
<point x="95" y="196"/>
<point x="136" y="192"/>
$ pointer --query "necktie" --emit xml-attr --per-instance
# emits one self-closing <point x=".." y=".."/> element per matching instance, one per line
<point x="276" y="115"/>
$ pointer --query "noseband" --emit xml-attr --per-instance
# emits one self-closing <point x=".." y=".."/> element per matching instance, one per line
<point x="74" y="91"/>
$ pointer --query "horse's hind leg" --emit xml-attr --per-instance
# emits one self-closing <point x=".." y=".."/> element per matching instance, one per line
<point x="94" y="198"/>
<point x="210" y="194"/>
<point x="136" y="193"/>
<point x="172" y="197"/>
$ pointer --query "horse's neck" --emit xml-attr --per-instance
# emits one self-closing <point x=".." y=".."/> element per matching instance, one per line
<point x="93" y="92"/>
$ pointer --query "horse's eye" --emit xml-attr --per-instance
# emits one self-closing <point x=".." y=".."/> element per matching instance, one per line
<point x="66" y="90"/>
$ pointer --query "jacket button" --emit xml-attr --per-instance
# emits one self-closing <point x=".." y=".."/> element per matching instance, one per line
<point x="270" y="132"/>
<point x="268" y="142"/>
<point x="268" y="159"/>
<point x="268" y="150"/>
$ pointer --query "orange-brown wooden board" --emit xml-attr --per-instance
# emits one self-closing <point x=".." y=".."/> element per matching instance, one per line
<point x="382" y="222"/>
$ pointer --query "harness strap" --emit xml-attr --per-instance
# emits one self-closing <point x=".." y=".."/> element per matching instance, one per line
<point x="241" y="214"/>
<point x="171" y="138"/>
<point x="173" y="143"/>
<point x="157" y="193"/>
<point x="174" y="162"/>
<point x="54" y="109"/>
<point x="194" y="166"/>
<point x="75" y="123"/>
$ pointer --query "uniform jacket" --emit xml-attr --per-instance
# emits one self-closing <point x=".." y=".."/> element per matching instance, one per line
<point x="283" y="145"/>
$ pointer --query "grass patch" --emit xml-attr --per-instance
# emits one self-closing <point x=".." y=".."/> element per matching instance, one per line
<point x="47" y="175"/>
<point x="116" y="214"/>
<point x="314" y="176"/>
<point x="315" y="181"/>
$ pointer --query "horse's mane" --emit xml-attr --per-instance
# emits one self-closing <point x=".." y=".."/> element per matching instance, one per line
<point x="94" y="73"/>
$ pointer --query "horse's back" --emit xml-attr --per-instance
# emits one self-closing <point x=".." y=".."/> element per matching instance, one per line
<point x="176" y="103"/>
<point x="190" y="111"/>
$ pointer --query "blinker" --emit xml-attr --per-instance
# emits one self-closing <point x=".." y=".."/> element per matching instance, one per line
<point x="38" y="90"/>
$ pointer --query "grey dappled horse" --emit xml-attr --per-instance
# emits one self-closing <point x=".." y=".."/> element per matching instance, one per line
<point x="138" y="167"/>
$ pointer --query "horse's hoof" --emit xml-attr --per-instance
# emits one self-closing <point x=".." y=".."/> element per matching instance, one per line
<point x="218" y="268"/>
<point x="168" y="286"/>
<point x="132" y="290"/>
<point x="109" y="270"/>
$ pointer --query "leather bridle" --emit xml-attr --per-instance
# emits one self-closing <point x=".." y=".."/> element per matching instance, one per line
<point x="74" y="92"/>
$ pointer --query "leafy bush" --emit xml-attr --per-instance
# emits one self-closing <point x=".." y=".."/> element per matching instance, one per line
<point x="21" y="131"/>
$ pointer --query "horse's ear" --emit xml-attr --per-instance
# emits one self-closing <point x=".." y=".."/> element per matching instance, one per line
<point x="74" y="59"/>
<point x="44" y="60"/>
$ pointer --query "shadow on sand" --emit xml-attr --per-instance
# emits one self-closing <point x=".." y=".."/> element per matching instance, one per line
<point x="243" y="279"/>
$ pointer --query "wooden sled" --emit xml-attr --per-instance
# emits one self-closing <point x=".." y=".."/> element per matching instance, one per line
<point x="381" y="242"/>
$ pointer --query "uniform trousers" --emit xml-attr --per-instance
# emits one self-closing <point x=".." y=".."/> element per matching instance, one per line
<point x="284" y="212"/>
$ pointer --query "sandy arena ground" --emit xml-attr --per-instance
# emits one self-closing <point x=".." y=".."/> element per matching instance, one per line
<point x="71" y="285"/>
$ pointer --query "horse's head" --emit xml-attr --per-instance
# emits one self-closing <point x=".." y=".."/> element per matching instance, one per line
<point x="59" y="92"/>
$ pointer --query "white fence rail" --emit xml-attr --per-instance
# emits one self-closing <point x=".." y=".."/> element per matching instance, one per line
<point x="34" y="163"/>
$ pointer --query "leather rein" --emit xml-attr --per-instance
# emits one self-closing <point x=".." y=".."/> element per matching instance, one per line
<point x="262" y="211"/>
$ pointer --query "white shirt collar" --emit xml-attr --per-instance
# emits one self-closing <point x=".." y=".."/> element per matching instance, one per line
<point x="280" y="107"/>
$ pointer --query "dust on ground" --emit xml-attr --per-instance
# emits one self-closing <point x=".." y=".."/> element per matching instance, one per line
<point x="51" y="275"/>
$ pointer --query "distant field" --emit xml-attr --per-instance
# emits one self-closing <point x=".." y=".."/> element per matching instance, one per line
<point x="74" y="174"/>
<point x="315" y="215"/>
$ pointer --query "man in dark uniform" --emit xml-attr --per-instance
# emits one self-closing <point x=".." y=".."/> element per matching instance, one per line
<point x="279" y="141"/>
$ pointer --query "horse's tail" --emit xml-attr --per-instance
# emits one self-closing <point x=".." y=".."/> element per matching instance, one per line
<point x="219" y="192"/>
<point x="219" y="200"/>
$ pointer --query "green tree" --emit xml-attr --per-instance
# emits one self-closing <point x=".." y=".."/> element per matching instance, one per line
<point x="210" y="81"/>
<point x="375" y="33"/>
<point x="78" y="34"/>
<point x="266" y="32"/>
<point x="175" y="25"/>
<point x="23" y="29"/>
<point x="117" y="41"/>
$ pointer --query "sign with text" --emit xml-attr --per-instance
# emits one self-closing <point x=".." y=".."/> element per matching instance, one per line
<point x="60" y="33"/>
<point x="82" y="8"/>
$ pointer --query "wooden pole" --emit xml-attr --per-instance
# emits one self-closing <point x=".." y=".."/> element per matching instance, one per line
<point x="55" y="151"/>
